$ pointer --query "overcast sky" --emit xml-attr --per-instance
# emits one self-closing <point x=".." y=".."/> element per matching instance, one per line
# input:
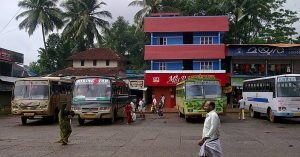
<point x="12" y="38"/>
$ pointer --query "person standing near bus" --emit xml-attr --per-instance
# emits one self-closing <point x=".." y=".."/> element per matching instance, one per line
<point x="128" y="110"/>
<point x="141" y="108"/>
<point x="154" y="105"/>
<point x="64" y="124"/>
<point x="242" y="108"/>
<point x="210" y="143"/>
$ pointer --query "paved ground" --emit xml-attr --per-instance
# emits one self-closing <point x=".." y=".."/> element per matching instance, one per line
<point x="168" y="137"/>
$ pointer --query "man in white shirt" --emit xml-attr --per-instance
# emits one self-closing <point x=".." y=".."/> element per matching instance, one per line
<point x="210" y="143"/>
<point x="242" y="109"/>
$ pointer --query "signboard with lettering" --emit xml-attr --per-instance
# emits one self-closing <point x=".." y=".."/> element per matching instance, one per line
<point x="135" y="84"/>
<point x="266" y="51"/>
<point x="10" y="56"/>
<point x="165" y="79"/>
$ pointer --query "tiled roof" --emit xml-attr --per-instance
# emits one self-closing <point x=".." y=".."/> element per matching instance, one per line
<point x="70" y="71"/>
<point x="97" y="54"/>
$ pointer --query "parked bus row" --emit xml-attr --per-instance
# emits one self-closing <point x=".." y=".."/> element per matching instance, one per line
<point x="91" y="97"/>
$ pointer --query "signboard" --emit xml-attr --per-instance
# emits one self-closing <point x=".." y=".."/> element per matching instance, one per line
<point x="266" y="51"/>
<point x="10" y="56"/>
<point x="135" y="84"/>
<point x="165" y="79"/>
<point x="237" y="82"/>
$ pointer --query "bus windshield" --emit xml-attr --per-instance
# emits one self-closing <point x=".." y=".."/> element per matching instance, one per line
<point x="207" y="89"/>
<point x="193" y="91"/>
<point x="212" y="91"/>
<point x="288" y="87"/>
<point x="92" y="89"/>
<point x="31" y="90"/>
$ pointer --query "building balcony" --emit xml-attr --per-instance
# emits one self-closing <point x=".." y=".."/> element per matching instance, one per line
<point x="167" y="52"/>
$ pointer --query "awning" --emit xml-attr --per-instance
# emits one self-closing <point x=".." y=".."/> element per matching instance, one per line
<point x="8" y="79"/>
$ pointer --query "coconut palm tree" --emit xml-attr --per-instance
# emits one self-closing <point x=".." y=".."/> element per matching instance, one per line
<point x="148" y="7"/>
<point x="84" y="18"/>
<point x="40" y="12"/>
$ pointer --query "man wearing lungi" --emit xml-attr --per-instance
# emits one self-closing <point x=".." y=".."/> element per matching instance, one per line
<point x="210" y="143"/>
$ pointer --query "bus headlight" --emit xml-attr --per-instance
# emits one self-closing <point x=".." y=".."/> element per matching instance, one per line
<point x="104" y="108"/>
<point x="75" y="108"/>
<point x="281" y="108"/>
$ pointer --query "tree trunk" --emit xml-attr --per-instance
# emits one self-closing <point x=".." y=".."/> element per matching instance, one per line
<point x="43" y="31"/>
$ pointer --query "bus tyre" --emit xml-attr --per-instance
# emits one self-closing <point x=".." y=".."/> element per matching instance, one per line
<point x="253" y="114"/>
<point x="55" y="116"/>
<point x="272" y="117"/>
<point x="80" y="121"/>
<point x="187" y="118"/>
<point x="112" y="119"/>
<point x="24" y="120"/>
<point x="180" y="114"/>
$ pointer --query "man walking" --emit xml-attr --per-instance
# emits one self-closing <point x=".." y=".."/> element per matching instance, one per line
<point x="242" y="109"/>
<point x="210" y="143"/>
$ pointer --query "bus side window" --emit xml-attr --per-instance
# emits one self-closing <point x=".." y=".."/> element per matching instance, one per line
<point x="273" y="90"/>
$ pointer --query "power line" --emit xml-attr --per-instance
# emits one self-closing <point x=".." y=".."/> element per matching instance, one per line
<point x="10" y="20"/>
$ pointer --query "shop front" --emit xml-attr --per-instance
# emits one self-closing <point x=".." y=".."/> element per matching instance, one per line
<point x="165" y="84"/>
<point x="254" y="61"/>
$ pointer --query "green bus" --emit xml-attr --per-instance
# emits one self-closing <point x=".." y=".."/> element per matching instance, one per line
<point x="191" y="94"/>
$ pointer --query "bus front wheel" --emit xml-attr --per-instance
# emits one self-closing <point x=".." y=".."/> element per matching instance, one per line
<point x="81" y="121"/>
<point x="272" y="117"/>
<point x="24" y="120"/>
<point x="253" y="114"/>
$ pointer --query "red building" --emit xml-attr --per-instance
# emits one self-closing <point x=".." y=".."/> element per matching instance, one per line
<point x="183" y="46"/>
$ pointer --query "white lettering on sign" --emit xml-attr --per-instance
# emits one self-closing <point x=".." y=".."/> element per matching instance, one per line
<point x="265" y="50"/>
<point x="155" y="79"/>
<point x="173" y="79"/>
<point x="91" y="81"/>
<point x="287" y="79"/>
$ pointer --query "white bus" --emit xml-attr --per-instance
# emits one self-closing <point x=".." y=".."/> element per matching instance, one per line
<point x="275" y="96"/>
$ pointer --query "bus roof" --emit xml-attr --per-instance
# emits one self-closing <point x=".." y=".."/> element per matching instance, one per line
<point x="61" y="79"/>
<point x="104" y="77"/>
<point x="197" y="79"/>
<point x="271" y="77"/>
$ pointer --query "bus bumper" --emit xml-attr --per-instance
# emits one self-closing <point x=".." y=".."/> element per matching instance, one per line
<point x="99" y="115"/>
<point x="192" y="114"/>
<point x="28" y="113"/>
<point x="287" y="114"/>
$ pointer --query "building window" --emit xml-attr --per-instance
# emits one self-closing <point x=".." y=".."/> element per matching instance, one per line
<point x="162" y="66"/>
<point x="107" y="62"/>
<point x="162" y="41"/>
<point x="94" y="62"/>
<point x="206" y="65"/>
<point x="206" y="40"/>
<point x="82" y="63"/>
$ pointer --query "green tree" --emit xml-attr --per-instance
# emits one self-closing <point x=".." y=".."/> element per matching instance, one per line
<point x="147" y="7"/>
<point x="58" y="50"/>
<point x="251" y="21"/>
<point x="84" y="21"/>
<point x="126" y="40"/>
<point x="40" y="12"/>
